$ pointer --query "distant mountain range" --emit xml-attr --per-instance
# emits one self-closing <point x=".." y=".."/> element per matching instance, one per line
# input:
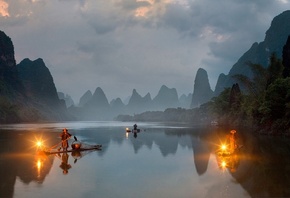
<point x="28" y="92"/>
<point x="96" y="106"/>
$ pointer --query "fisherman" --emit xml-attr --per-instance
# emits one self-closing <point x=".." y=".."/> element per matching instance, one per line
<point x="135" y="126"/>
<point x="233" y="141"/>
<point x="65" y="135"/>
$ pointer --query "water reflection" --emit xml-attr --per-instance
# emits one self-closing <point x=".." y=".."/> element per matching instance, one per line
<point x="17" y="161"/>
<point x="230" y="162"/>
<point x="228" y="152"/>
<point x="77" y="155"/>
<point x="42" y="164"/>
<point x="65" y="166"/>
<point x="261" y="164"/>
<point x="64" y="157"/>
<point x="201" y="154"/>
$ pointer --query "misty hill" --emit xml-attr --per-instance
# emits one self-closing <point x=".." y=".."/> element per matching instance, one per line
<point x="10" y="84"/>
<point x="259" y="53"/>
<point x="92" y="106"/>
<point x="98" y="100"/>
<point x="202" y="92"/>
<point x="166" y="98"/>
<point x="185" y="100"/>
<point x="11" y="89"/>
<point x="97" y="106"/>
<point x="137" y="103"/>
<point x="28" y="93"/>
<point x="40" y="89"/>
<point x="85" y="98"/>
<point x="67" y="99"/>
<point x="38" y="81"/>
<point x="117" y="105"/>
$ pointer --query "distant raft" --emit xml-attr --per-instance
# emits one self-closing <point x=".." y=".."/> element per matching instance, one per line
<point x="132" y="130"/>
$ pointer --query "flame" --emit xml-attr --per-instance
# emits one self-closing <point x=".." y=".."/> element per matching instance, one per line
<point x="39" y="143"/>
<point x="223" y="147"/>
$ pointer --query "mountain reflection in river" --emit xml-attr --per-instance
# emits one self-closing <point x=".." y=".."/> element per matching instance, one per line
<point x="129" y="166"/>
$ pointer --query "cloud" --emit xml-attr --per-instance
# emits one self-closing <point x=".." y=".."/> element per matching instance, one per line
<point x="4" y="8"/>
<point x="120" y="45"/>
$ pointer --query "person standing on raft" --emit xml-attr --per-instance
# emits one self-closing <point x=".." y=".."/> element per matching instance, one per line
<point x="135" y="126"/>
<point x="233" y="141"/>
<point x="65" y="135"/>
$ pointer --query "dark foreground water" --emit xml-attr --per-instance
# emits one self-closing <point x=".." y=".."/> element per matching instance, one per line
<point x="161" y="161"/>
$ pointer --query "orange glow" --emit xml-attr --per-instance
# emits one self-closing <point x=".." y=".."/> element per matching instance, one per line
<point x="233" y="131"/>
<point x="39" y="165"/>
<point x="4" y="8"/>
<point x="141" y="12"/>
<point x="38" y="143"/>
<point x="151" y="8"/>
<point x="127" y="135"/>
<point x="223" y="164"/>
<point x="223" y="147"/>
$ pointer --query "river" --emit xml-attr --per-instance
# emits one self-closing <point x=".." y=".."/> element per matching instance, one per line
<point x="162" y="160"/>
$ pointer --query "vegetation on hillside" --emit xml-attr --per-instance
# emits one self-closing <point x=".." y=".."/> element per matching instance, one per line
<point x="265" y="104"/>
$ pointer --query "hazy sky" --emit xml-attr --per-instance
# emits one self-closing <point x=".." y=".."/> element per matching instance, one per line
<point x="120" y="45"/>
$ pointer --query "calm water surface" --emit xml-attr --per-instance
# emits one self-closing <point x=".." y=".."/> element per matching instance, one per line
<point x="161" y="161"/>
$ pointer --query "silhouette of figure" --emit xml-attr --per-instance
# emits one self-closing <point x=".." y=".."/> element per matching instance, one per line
<point x="65" y="166"/>
<point x="135" y="126"/>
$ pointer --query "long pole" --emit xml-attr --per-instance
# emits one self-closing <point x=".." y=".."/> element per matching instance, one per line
<point x="59" y="143"/>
